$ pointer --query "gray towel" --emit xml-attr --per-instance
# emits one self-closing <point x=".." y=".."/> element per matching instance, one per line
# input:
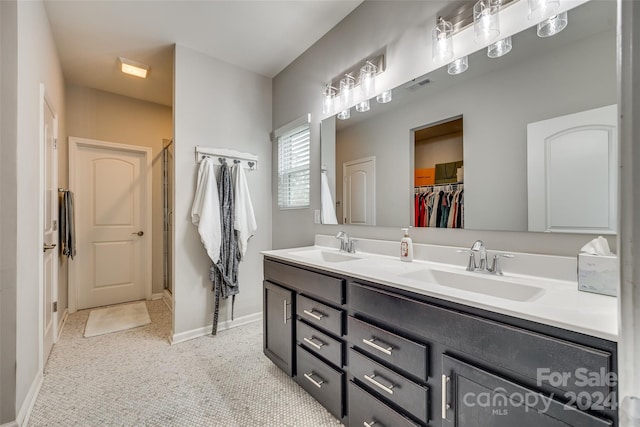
<point x="67" y="225"/>
<point x="224" y="274"/>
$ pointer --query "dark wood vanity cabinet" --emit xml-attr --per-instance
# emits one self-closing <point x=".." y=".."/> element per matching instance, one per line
<point x="380" y="356"/>
<point x="278" y="326"/>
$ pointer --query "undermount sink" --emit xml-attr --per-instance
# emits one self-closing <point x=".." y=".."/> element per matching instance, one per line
<point x="495" y="287"/>
<point x="325" y="255"/>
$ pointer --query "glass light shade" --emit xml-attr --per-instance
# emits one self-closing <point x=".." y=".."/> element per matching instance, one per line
<point x="329" y="100"/>
<point x="346" y="90"/>
<point x="442" y="41"/>
<point x="553" y="25"/>
<point x="344" y="114"/>
<point x="499" y="48"/>
<point x="486" y="21"/>
<point x="363" y="106"/>
<point x="458" y="66"/>
<point x="368" y="79"/>
<point x="384" y="97"/>
<point x="540" y="9"/>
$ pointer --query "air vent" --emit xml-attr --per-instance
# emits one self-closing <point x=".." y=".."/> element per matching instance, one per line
<point x="418" y="85"/>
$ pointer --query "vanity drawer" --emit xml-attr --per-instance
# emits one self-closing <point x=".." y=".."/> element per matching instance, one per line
<point x="501" y="346"/>
<point x="400" y="352"/>
<point x="323" y="286"/>
<point x="364" y="408"/>
<point x="319" y="314"/>
<point x="321" y="381"/>
<point x="319" y="343"/>
<point x="390" y="385"/>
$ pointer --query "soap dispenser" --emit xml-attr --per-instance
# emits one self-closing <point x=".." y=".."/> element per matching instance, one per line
<point x="406" y="247"/>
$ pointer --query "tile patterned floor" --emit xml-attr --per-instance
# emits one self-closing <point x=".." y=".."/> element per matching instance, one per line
<point x="135" y="378"/>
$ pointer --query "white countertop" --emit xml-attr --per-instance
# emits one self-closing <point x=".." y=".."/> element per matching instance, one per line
<point x="560" y="304"/>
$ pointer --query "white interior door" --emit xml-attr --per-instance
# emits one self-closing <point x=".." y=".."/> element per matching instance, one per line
<point x="572" y="172"/>
<point x="113" y="222"/>
<point x="50" y="227"/>
<point x="359" y="191"/>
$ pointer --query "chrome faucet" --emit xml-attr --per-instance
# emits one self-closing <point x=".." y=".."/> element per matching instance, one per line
<point x="347" y="244"/>
<point x="483" y="266"/>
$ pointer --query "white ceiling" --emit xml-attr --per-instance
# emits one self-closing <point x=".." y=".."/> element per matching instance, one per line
<point x="263" y="36"/>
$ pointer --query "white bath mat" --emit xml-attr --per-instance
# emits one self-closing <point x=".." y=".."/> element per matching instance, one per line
<point x="117" y="318"/>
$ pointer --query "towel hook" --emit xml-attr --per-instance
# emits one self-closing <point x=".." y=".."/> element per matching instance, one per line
<point x="251" y="164"/>
<point x="222" y="160"/>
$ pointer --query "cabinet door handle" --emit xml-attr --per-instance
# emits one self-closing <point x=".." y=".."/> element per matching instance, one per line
<point x="372" y="423"/>
<point x="319" y="344"/>
<point x="318" y="383"/>
<point x="372" y="343"/>
<point x="372" y="379"/>
<point x="284" y="311"/>
<point x="445" y="405"/>
<point x="315" y="315"/>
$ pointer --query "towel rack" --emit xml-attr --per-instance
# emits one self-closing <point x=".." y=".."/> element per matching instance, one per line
<point x="247" y="160"/>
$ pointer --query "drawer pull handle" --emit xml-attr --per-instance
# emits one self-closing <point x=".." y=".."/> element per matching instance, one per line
<point x="319" y="344"/>
<point x="372" y="380"/>
<point x="315" y="315"/>
<point x="372" y="343"/>
<point x="445" y="405"/>
<point x="372" y="423"/>
<point x="317" y="383"/>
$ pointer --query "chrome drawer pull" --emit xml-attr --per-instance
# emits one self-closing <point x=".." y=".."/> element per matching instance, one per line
<point x="445" y="405"/>
<point x="372" y="423"/>
<point x="372" y="380"/>
<point x="313" y="343"/>
<point x="313" y="314"/>
<point x="372" y="343"/>
<point x="310" y="375"/>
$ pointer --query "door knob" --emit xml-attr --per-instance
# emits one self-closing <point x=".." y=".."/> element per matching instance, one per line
<point x="47" y="246"/>
<point x="139" y="233"/>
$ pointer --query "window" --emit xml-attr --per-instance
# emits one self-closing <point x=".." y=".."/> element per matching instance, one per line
<point x="293" y="164"/>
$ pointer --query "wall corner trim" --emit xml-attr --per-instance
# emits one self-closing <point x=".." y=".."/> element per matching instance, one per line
<point x="206" y="330"/>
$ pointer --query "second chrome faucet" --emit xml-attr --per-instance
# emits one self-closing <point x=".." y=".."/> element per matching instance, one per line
<point x="483" y="266"/>
<point x="347" y="244"/>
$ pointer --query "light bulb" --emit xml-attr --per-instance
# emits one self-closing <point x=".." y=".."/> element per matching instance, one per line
<point x="486" y="21"/>
<point x="346" y="90"/>
<point x="442" y="41"/>
<point x="328" y="100"/>
<point x="368" y="79"/>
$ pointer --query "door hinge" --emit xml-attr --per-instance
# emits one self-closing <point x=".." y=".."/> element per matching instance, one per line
<point x="55" y="307"/>
<point x="55" y="143"/>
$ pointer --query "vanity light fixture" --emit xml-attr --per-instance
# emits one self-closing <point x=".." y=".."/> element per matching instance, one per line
<point x="347" y="84"/>
<point x="384" y="97"/>
<point x="133" y="68"/>
<point x="362" y="107"/>
<point x="329" y="99"/>
<point x="552" y="26"/>
<point x="499" y="48"/>
<point x="442" y="41"/>
<point x="458" y="66"/>
<point x="540" y="9"/>
<point x="486" y="21"/>
<point x="344" y="114"/>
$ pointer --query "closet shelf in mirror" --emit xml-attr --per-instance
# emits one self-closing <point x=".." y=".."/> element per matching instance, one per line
<point x="439" y="187"/>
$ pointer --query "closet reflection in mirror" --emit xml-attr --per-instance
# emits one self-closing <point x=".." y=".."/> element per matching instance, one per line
<point x="540" y="79"/>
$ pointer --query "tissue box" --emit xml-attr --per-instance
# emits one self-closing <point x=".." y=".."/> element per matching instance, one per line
<point x="598" y="274"/>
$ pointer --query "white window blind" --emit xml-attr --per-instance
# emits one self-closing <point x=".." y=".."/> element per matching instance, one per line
<point x="293" y="168"/>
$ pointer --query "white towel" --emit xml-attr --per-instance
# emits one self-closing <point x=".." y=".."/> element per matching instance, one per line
<point x="244" y="221"/>
<point x="326" y="202"/>
<point x="205" y="212"/>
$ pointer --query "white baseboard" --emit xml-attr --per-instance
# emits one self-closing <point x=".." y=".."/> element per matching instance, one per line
<point x="159" y="295"/>
<point x="10" y="424"/>
<point x="27" y="406"/>
<point x="167" y="297"/>
<point x="206" y="330"/>
<point x="63" y="322"/>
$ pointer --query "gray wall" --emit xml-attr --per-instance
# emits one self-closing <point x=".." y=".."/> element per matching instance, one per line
<point x="496" y="108"/>
<point x="401" y="27"/>
<point x="8" y="207"/>
<point x="217" y="105"/>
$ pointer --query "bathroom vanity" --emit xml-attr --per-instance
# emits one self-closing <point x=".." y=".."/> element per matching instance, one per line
<point x="378" y="343"/>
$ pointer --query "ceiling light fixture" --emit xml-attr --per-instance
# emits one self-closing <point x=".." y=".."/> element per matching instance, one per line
<point x="329" y="99"/>
<point x="486" y="21"/>
<point x="499" y="48"/>
<point x="344" y="114"/>
<point x="133" y="68"/>
<point x="458" y="66"/>
<point x="362" y="107"/>
<point x="540" y="9"/>
<point x="442" y="41"/>
<point x="384" y="97"/>
<point x="368" y="79"/>
<point x="552" y="26"/>
<point x="347" y="83"/>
